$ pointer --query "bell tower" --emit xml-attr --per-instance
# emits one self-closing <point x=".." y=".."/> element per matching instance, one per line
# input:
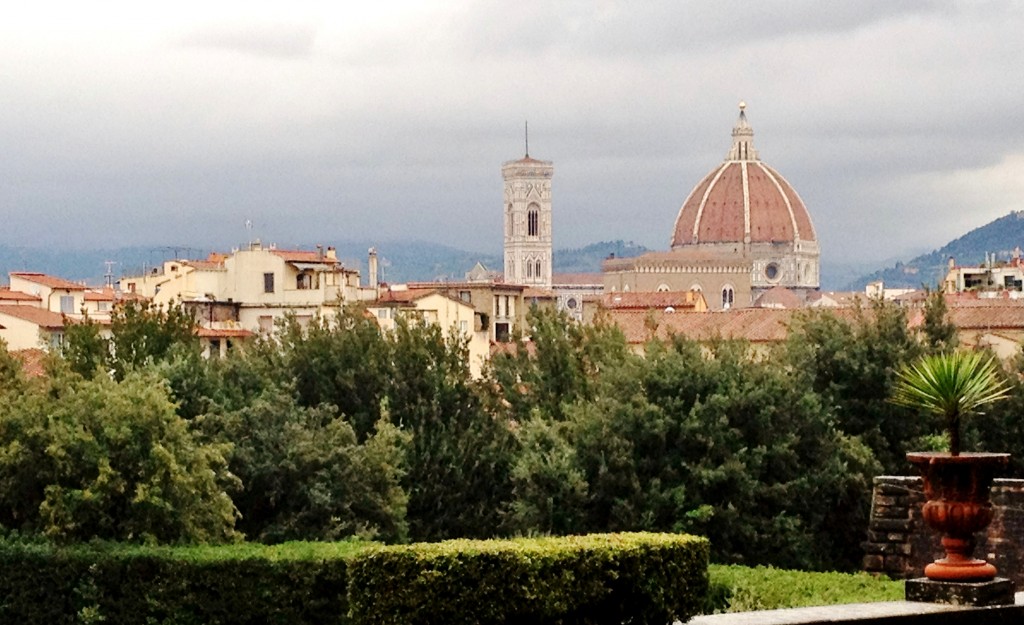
<point x="527" y="218"/>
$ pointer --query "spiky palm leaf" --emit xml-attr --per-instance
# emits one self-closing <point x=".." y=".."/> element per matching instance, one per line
<point x="950" y="385"/>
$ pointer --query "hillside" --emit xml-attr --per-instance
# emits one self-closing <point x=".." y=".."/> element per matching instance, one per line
<point x="1000" y="237"/>
<point x="400" y="261"/>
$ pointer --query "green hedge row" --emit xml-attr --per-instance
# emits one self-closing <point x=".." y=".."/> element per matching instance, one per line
<point x="595" y="579"/>
<point x="289" y="584"/>
<point x="604" y="578"/>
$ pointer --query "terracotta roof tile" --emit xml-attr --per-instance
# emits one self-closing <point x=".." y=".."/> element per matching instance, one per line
<point x="204" y="265"/>
<point x="304" y="256"/>
<point x="224" y="333"/>
<point x="578" y="279"/>
<point x="48" y="281"/>
<point x="988" y="317"/>
<point x="6" y="294"/>
<point x="778" y="297"/>
<point x="679" y="300"/>
<point x="100" y="295"/>
<point x="39" y="316"/>
<point x="32" y="361"/>
<point x="757" y="325"/>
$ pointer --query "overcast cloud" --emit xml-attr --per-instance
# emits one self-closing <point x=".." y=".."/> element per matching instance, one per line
<point x="895" y="121"/>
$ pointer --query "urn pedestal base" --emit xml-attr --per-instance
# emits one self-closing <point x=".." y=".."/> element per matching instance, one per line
<point x="998" y="591"/>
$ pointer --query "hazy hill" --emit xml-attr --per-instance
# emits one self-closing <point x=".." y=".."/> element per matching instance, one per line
<point x="1000" y="237"/>
<point x="400" y="261"/>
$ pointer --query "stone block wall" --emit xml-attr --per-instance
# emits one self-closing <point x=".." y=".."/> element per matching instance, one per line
<point x="899" y="544"/>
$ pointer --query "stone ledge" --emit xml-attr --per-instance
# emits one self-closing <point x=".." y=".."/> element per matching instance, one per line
<point x="882" y="613"/>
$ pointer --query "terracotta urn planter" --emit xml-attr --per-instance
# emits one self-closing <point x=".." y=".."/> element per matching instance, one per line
<point x="957" y="491"/>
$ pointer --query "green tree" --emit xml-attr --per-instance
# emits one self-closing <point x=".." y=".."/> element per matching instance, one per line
<point x="304" y="476"/>
<point x="83" y="459"/>
<point x="143" y="332"/>
<point x="11" y="378"/>
<point x="851" y="363"/>
<point x="939" y="332"/>
<point x="343" y="361"/>
<point x="459" y="455"/>
<point x="558" y="363"/>
<point x="85" y="349"/>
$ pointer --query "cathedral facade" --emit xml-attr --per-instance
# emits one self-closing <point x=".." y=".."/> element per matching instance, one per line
<point x="741" y="231"/>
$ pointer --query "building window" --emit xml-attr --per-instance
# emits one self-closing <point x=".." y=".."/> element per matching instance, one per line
<point x="771" y="271"/>
<point x="727" y="297"/>
<point x="303" y="281"/>
<point x="67" y="304"/>
<point x="511" y="222"/>
<point x="266" y="323"/>
<point x="501" y="333"/>
<point x="663" y="288"/>
<point x="464" y="327"/>
<point x="382" y="313"/>
<point x="537" y="270"/>
<point x="533" y="221"/>
<point x="529" y="269"/>
<point x="268" y="282"/>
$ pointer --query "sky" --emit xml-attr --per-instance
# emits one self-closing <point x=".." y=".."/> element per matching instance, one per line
<point x="180" y="123"/>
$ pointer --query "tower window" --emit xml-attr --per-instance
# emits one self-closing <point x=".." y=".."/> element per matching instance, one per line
<point x="537" y="271"/>
<point x="533" y="221"/>
<point x="727" y="297"/>
<point x="529" y="269"/>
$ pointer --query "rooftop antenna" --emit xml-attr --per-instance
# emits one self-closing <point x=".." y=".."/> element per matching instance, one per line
<point x="527" y="138"/>
<point x="248" y="230"/>
<point x="108" y="277"/>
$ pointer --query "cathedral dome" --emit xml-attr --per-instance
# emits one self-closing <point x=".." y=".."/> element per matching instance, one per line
<point x="743" y="200"/>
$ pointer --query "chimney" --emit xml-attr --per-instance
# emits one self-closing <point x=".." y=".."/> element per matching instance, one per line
<point x="332" y="254"/>
<point x="373" y="267"/>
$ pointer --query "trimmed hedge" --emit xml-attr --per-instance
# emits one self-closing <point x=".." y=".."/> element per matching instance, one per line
<point x="288" y="584"/>
<point x="648" y="579"/>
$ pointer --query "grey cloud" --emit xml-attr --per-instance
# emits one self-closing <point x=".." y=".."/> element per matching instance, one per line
<point x="256" y="38"/>
<point x="643" y="28"/>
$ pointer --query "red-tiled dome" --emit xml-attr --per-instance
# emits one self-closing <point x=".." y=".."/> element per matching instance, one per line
<point x="742" y="200"/>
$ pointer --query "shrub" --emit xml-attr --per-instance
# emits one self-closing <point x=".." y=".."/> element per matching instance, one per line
<point x="743" y="588"/>
<point x="287" y="584"/>
<point x="602" y="578"/>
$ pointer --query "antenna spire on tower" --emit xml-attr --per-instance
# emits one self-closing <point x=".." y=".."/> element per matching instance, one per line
<point x="527" y="138"/>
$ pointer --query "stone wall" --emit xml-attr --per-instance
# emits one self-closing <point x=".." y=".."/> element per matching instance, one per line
<point x="899" y="544"/>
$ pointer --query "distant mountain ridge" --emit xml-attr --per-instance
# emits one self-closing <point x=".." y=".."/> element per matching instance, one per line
<point x="999" y="237"/>
<point x="400" y="261"/>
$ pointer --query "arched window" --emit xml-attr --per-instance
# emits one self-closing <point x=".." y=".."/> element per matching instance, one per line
<point x="529" y="269"/>
<point x="663" y="288"/>
<point x="537" y="270"/>
<point x="511" y="222"/>
<point x="727" y="297"/>
<point x="533" y="220"/>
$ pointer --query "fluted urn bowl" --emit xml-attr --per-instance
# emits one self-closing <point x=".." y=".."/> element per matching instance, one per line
<point x="957" y="492"/>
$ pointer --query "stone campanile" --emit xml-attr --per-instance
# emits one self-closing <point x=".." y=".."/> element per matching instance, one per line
<point x="528" y="221"/>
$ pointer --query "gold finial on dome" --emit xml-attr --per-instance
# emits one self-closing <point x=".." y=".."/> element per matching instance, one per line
<point x="742" y="139"/>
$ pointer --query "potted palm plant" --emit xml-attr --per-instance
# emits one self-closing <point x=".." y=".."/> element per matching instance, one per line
<point x="952" y="386"/>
